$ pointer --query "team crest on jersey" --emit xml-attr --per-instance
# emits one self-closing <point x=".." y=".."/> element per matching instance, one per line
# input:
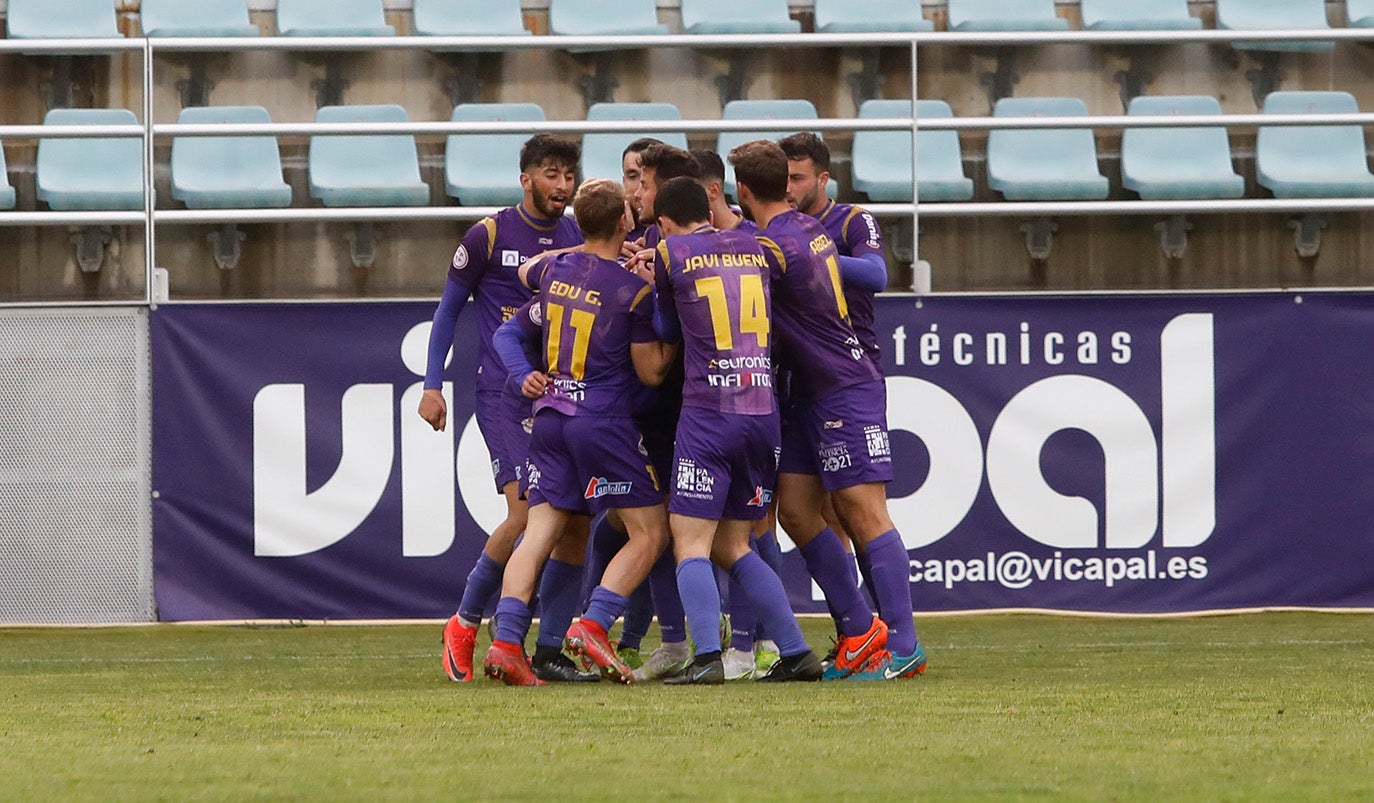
<point x="537" y="314"/>
<point x="510" y="259"/>
<point x="762" y="497"/>
<point x="460" y="258"/>
<point x="527" y="424"/>
<point x="600" y="486"/>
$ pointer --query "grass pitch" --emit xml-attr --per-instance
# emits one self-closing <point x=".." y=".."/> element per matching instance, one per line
<point x="1231" y="707"/>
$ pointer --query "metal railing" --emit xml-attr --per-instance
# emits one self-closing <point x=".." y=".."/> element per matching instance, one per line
<point x="150" y="216"/>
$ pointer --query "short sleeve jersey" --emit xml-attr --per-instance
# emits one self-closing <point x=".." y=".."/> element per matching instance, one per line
<point x="488" y="261"/>
<point x="813" y="337"/>
<point x="716" y="282"/>
<point x="856" y="234"/>
<point x="590" y="310"/>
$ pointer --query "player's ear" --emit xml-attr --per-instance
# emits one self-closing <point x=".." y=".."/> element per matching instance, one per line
<point x="525" y="182"/>
<point x="823" y="179"/>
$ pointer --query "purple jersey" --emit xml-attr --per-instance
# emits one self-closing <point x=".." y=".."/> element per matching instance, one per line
<point x="590" y="310"/>
<point x="487" y="263"/>
<point x="814" y="339"/>
<point x="715" y="283"/>
<point x="856" y="234"/>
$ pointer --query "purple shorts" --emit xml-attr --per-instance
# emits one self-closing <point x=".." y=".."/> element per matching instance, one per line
<point x="842" y="437"/>
<point x="724" y="465"/>
<point x="505" y="423"/>
<point x="586" y="464"/>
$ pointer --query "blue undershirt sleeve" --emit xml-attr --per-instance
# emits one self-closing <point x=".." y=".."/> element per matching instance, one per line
<point x="867" y="272"/>
<point x="666" y="323"/>
<point x="509" y="344"/>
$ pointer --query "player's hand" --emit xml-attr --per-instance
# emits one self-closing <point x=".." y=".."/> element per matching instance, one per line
<point x="534" y="385"/>
<point x="434" y="409"/>
<point x="641" y="264"/>
<point x="629" y="248"/>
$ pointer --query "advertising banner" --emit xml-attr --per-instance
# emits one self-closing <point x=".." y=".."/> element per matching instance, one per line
<point x="1119" y="454"/>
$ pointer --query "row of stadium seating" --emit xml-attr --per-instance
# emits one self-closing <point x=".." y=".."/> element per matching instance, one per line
<point x="32" y="19"/>
<point x="1023" y="165"/>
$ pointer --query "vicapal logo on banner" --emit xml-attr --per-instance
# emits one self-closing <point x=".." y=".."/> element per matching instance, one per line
<point x="1179" y="464"/>
<point x="289" y="522"/>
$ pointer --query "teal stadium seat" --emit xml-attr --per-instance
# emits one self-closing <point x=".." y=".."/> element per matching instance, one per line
<point x="1261" y="15"/>
<point x="481" y="169"/>
<point x="468" y="18"/>
<point x="1004" y="15"/>
<point x="1046" y="164"/>
<point x="761" y="110"/>
<point x="601" y="153"/>
<point x="365" y="170"/>
<point x="1360" y="13"/>
<point x="737" y="16"/>
<point x="1163" y="164"/>
<point x="227" y="172"/>
<point x="89" y="174"/>
<point x="1138" y="15"/>
<point x="199" y="18"/>
<point x="870" y="16"/>
<point x="332" y="18"/>
<point x="61" y="19"/>
<point x="882" y="159"/>
<point x="1313" y="161"/>
<point x="7" y="197"/>
<point x="604" y="18"/>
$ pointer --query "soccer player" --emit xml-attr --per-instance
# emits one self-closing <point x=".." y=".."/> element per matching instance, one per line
<point x="596" y="325"/>
<point x="484" y="268"/>
<point x="713" y="288"/>
<point x="863" y="268"/>
<point x="836" y="423"/>
<point x="713" y="179"/>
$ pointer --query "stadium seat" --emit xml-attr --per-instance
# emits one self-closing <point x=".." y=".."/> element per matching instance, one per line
<point x="864" y="16"/>
<point x="1004" y="15"/>
<point x="332" y="18"/>
<point x="481" y="169"/>
<point x="1138" y="15"/>
<point x="98" y="173"/>
<point x="200" y="18"/>
<point x="7" y="196"/>
<point x="882" y="159"/>
<point x="760" y="110"/>
<point x="601" y="153"/>
<point x="61" y="19"/>
<point x="365" y="170"/>
<point x="1360" y="13"/>
<point x="468" y="18"/>
<point x="1044" y="164"/>
<point x="227" y="172"/>
<point x="1177" y="163"/>
<point x="737" y="16"/>
<point x="1318" y="161"/>
<point x="604" y="17"/>
<point x="1260" y="15"/>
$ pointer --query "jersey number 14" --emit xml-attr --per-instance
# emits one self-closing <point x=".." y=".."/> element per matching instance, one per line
<point x="753" y="309"/>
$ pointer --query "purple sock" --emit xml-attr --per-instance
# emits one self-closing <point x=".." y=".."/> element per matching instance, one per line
<point x="866" y="571"/>
<point x="827" y="562"/>
<point x="639" y="614"/>
<point x="559" y="594"/>
<point x="891" y="569"/>
<point x="605" y="607"/>
<point x="767" y="545"/>
<point x="603" y="544"/>
<point x="512" y="620"/>
<point x="696" y="584"/>
<point x="770" y="600"/>
<point x="483" y="581"/>
<point x="672" y="625"/>
<point x="742" y="617"/>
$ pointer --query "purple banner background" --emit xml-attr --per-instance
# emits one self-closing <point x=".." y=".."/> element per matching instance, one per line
<point x="1290" y="402"/>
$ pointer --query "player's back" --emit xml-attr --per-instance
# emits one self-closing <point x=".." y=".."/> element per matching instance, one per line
<point x="592" y="310"/>
<point x="717" y="282"/>
<point x="856" y="233"/>
<point x="814" y="339"/>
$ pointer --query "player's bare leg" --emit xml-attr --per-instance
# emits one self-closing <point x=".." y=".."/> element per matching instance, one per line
<point x="506" y="658"/>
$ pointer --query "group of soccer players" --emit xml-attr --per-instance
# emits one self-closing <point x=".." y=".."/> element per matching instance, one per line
<point x="676" y="366"/>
